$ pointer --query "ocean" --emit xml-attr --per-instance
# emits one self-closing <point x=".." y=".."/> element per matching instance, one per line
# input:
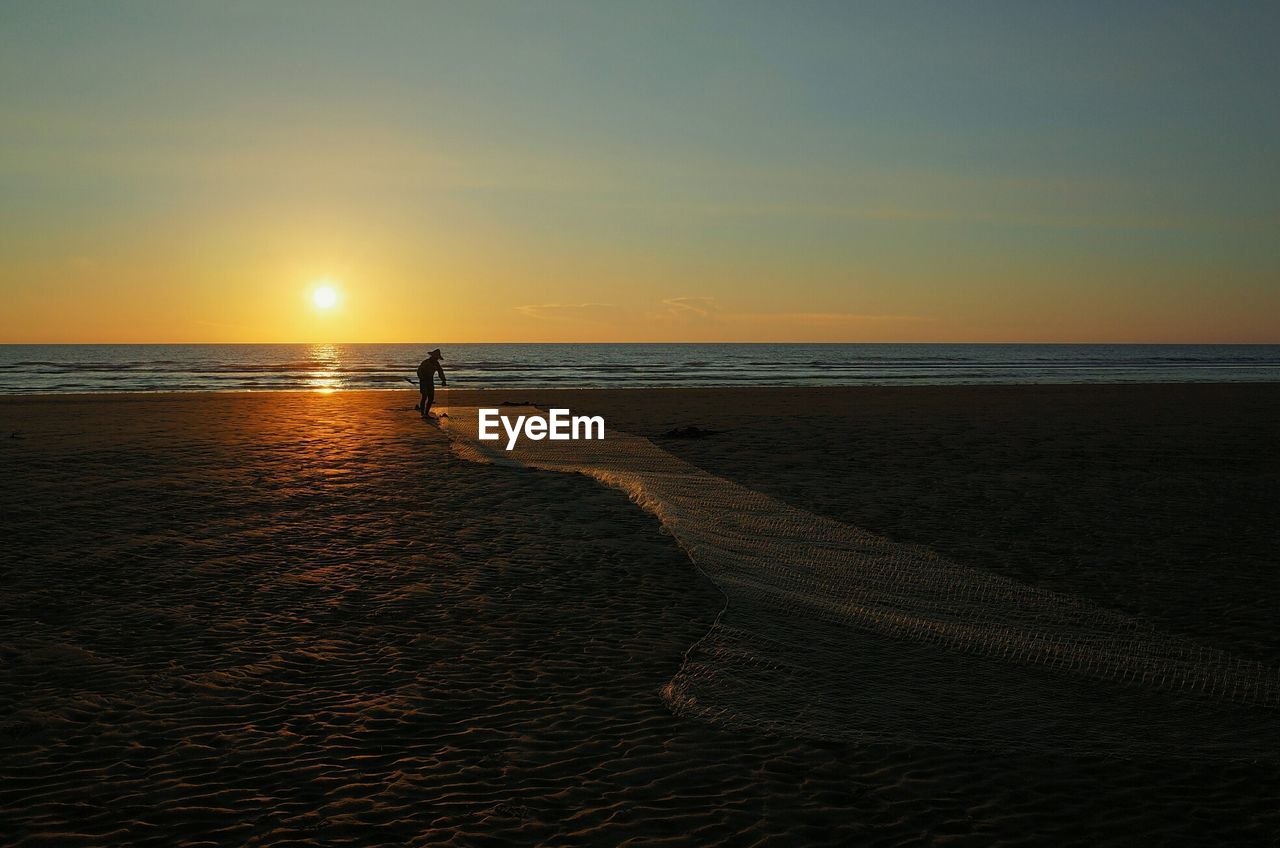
<point x="27" y="369"/>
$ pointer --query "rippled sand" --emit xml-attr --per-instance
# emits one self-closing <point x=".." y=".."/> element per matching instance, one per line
<point x="298" y="619"/>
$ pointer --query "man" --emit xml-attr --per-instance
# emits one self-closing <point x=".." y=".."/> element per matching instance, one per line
<point x="427" y="381"/>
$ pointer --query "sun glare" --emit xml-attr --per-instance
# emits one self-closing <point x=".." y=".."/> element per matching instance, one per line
<point x="325" y="296"/>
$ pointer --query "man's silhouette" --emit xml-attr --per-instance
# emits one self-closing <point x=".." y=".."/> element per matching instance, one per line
<point x="427" y="381"/>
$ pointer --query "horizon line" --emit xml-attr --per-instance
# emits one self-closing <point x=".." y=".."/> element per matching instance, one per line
<point x="691" y="342"/>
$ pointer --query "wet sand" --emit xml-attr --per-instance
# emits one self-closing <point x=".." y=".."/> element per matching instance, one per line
<point x="299" y="619"/>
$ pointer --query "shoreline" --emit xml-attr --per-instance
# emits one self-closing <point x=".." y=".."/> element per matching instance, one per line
<point x="407" y="387"/>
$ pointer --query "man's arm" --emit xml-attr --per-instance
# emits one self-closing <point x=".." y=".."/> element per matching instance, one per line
<point x="443" y="381"/>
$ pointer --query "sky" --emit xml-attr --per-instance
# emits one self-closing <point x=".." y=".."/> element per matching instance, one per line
<point x="693" y="171"/>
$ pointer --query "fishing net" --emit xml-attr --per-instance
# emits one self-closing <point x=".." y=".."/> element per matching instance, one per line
<point x="829" y="631"/>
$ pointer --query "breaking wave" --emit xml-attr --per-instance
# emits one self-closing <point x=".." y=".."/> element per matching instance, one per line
<point x="26" y="369"/>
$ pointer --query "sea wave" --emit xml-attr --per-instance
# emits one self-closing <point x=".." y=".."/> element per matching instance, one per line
<point x="146" y="368"/>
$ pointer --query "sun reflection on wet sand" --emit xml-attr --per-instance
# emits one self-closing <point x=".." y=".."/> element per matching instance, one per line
<point x="323" y="383"/>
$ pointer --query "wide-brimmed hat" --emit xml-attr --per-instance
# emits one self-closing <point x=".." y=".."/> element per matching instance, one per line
<point x="434" y="353"/>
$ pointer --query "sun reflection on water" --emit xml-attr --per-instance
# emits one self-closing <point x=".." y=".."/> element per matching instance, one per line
<point x="324" y="377"/>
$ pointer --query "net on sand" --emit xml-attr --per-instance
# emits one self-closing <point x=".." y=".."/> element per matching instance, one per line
<point x="830" y="631"/>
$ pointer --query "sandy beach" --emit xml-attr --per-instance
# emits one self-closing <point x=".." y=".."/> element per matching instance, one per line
<point x="299" y="618"/>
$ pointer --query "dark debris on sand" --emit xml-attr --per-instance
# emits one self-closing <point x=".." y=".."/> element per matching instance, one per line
<point x="693" y="431"/>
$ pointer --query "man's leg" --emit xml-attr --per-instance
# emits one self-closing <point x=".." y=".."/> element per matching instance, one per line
<point x="427" y="400"/>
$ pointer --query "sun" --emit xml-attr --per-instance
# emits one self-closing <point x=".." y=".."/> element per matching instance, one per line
<point x="325" y="295"/>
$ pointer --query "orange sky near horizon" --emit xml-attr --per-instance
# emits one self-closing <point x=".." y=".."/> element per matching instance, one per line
<point x="287" y="315"/>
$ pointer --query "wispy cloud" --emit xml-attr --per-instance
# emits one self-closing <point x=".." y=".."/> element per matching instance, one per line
<point x="704" y="317"/>
<point x="562" y="311"/>
<point x="829" y="318"/>
<point x="699" y="308"/>
<point x="691" y="307"/>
